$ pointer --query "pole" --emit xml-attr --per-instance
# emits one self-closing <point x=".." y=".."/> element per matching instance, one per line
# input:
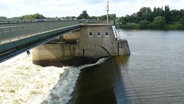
<point x="107" y="12"/>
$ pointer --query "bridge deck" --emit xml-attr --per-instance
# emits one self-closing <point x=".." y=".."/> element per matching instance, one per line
<point x="12" y="32"/>
<point x="17" y="38"/>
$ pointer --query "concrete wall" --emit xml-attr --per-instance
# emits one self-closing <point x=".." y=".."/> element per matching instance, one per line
<point x="123" y="48"/>
<point x="72" y="36"/>
<point x="91" y="44"/>
<point x="53" y="53"/>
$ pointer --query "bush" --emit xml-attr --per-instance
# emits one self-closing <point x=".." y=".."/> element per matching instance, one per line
<point x="175" y="26"/>
<point x="130" y="26"/>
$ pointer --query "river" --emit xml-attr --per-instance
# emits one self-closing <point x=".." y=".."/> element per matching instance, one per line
<point x="152" y="74"/>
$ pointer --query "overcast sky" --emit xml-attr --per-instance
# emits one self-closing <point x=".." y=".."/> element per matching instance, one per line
<point x="60" y="8"/>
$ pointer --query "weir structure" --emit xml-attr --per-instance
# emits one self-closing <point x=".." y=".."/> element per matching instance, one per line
<point x="91" y="41"/>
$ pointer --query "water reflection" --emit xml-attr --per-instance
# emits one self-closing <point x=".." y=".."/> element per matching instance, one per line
<point x="121" y="93"/>
<point x="102" y="84"/>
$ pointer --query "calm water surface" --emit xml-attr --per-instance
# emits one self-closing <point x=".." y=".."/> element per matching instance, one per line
<point x="152" y="74"/>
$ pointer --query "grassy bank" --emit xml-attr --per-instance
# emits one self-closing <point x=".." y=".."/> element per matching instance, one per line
<point x="136" y="26"/>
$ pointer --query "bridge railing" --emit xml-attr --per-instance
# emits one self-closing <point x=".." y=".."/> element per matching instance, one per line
<point x="13" y="32"/>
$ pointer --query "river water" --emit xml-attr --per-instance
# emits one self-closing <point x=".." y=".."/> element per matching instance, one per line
<point x="152" y="74"/>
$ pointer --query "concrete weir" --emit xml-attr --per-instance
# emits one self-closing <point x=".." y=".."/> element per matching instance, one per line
<point x="91" y="41"/>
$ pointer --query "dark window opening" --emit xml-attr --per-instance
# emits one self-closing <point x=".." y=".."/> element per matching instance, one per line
<point x="106" y="34"/>
<point x="90" y="34"/>
<point x="98" y="34"/>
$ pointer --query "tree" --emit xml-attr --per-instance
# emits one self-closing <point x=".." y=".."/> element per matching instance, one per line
<point x="111" y="17"/>
<point x="38" y="16"/>
<point x="130" y="19"/>
<point x="121" y="20"/>
<point x="94" y="17"/>
<point x="158" y="23"/>
<point x="182" y="21"/>
<point x="158" y="12"/>
<point x="2" y="18"/>
<point x="84" y="15"/>
<point x="103" y="17"/>
<point x="176" y="15"/>
<point x="32" y="16"/>
<point x="144" y="24"/>
<point x="158" y="18"/>
<point x="145" y="13"/>
<point x="167" y="14"/>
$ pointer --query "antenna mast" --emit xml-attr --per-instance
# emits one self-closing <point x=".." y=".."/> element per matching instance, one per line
<point x="107" y="9"/>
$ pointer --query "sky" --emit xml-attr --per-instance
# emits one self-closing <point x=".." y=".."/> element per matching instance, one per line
<point x="62" y="8"/>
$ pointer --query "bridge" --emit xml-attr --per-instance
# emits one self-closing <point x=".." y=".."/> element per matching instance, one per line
<point x="19" y="36"/>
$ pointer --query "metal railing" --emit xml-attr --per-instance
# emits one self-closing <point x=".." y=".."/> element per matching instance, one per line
<point x="16" y="31"/>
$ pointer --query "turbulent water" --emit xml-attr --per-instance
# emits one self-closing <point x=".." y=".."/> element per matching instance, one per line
<point x="62" y="91"/>
<point x="25" y="83"/>
<point x="22" y="82"/>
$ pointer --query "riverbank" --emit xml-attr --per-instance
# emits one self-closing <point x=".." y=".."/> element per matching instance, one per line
<point x="138" y="26"/>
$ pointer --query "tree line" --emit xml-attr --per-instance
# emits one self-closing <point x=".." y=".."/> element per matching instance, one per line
<point x="32" y="16"/>
<point x="158" y="18"/>
<point x="84" y="15"/>
<point x="26" y="17"/>
<point x="145" y="18"/>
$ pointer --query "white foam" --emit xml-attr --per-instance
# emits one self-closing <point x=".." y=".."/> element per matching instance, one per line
<point x="90" y="65"/>
<point x="65" y="86"/>
<point x="25" y="83"/>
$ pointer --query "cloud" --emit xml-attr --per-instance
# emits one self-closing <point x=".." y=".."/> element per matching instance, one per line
<point x="94" y="1"/>
<point x="53" y="8"/>
<point x="129" y="7"/>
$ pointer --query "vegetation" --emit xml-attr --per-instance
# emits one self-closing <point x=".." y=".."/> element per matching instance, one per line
<point x="83" y="15"/>
<point x="32" y="16"/>
<point x="111" y="17"/>
<point x="2" y="18"/>
<point x="158" y="18"/>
